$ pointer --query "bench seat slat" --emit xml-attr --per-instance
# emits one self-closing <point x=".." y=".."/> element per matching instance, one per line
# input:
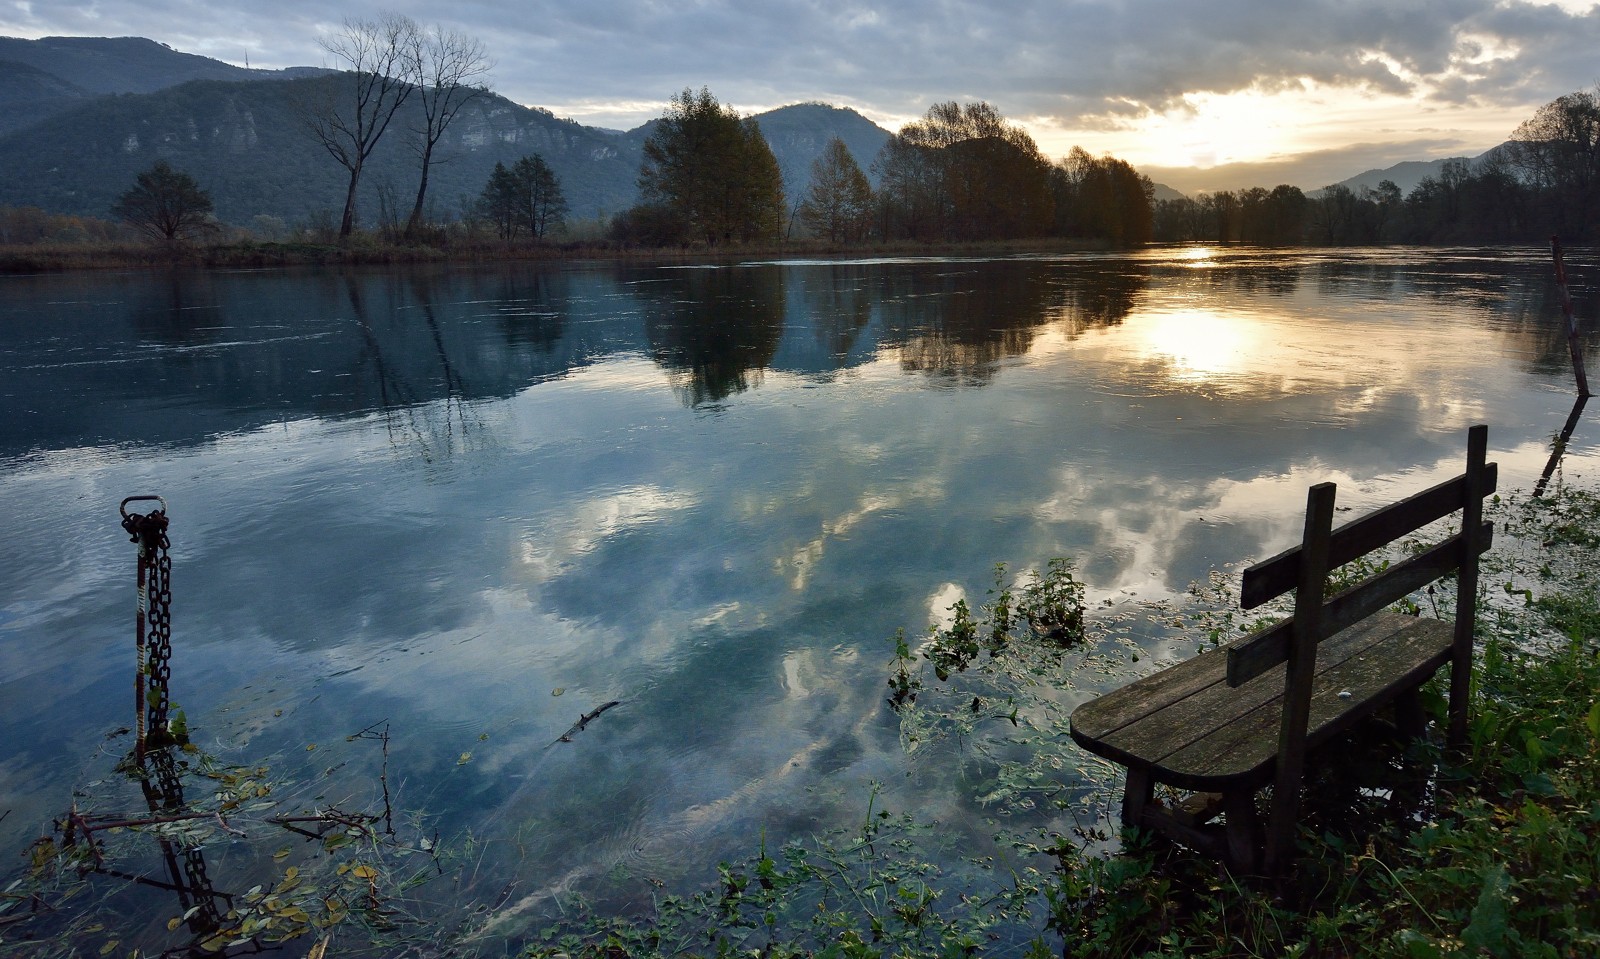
<point x="1106" y="714"/>
<point x="1207" y="710"/>
<point x="1212" y="736"/>
<point x="1246" y="749"/>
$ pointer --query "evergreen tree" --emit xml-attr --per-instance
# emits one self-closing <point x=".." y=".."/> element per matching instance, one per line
<point x="165" y="204"/>
<point x="839" y="202"/>
<point x="526" y="198"/>
<point x="499" y="202"/>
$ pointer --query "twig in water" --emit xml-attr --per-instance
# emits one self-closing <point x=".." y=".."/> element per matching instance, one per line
<point x="585" y="720"/>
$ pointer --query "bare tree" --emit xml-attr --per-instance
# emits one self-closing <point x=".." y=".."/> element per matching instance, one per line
<point x="451" y="67"/>
<point x="349" y="113"/>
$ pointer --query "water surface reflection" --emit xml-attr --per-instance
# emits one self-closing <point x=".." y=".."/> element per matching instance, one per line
<point x="436" y="496"/>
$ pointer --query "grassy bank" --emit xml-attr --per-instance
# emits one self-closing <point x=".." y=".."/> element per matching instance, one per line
<point x="366" y="250"/>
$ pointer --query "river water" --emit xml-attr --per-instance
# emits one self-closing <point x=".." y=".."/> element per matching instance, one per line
<point x="475" y="503"/>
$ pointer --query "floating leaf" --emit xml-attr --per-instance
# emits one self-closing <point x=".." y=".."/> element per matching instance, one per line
<point x="558" y="690"/>
<point x="364" y="872"/>
<point x="465" y="758"/>
<point x="173" y="923"/>
<point x="281" y="854"/>
<point x="311" y="747"/>
<point x="483" y="737"/>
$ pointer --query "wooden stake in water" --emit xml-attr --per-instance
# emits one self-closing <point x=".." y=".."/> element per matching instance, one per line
<point x="1571" y="323"/>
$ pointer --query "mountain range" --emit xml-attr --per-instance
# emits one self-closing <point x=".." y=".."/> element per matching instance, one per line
<point x="1408" y="174"/>
<point x="80" y="116"/>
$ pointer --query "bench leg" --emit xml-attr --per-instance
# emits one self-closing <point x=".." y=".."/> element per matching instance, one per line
<point x="1243" y="830"/>
<point x="1408" y="715"/>
<point x="1136" y="798"/>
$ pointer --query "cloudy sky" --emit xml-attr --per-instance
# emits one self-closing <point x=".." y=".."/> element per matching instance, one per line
<point x="1201" y="95"/>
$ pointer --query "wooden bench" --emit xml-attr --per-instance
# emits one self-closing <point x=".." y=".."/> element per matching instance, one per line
<point x="1225" y="726"/>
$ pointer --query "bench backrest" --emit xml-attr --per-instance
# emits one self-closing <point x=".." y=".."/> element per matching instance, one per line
<point x="1305" y="569"/>
<point x="1272" y="578"/>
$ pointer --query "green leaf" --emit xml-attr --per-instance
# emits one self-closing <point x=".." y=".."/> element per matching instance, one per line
<point x="1487" y="930"/>
<point x="1593" y="720"/>
<point x="1418" y="946"/>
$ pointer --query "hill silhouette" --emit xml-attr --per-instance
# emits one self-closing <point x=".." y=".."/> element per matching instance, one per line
<point x="128" y="64"/>
<point x="243" y="142"/>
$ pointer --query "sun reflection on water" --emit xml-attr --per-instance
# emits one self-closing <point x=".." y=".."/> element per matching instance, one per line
<point x="1200" y="344"/>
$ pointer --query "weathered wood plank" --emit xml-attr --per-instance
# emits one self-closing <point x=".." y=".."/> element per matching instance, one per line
<point x="1273" y="577"/>
<point x="1245" y="750"/>
<point x="1106" y="714"/>
<point x="1209" y="840"/>
<point x="1249" y="658"/>
<point x="1300" y="673"/>
<point x="1165" y="731"/>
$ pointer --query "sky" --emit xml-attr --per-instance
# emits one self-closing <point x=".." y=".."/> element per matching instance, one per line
<point x="1211" y="95"/>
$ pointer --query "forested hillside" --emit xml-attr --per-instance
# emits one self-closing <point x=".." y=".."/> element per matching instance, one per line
<point x="245" y="143"/>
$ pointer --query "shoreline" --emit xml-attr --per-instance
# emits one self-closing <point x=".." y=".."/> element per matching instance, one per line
<point x="62" y="258"/>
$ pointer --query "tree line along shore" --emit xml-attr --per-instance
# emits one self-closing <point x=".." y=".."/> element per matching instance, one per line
<point x="962" y="177"/>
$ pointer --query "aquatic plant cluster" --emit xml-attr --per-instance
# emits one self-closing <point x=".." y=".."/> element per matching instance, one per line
<point x="1495" y="850"/>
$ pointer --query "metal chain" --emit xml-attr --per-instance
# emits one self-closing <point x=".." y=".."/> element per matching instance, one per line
<point x="154" y="621"/>
<point x="163" y="792"/>
<point x="158" y="620"/>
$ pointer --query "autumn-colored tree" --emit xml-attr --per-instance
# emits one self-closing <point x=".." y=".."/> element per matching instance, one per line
<point x="838" y="203"/>
<point x="1557" y="152"/>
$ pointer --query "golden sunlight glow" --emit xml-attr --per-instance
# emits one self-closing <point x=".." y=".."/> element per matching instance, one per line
<point x="1199" y="344"/>
<point x="1252" y="126"/>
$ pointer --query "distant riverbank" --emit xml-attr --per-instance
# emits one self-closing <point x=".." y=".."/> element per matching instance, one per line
<point x="52" y="258"/>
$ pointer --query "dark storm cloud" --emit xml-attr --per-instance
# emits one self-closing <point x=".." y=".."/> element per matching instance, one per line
<point x="1063" y="59"/>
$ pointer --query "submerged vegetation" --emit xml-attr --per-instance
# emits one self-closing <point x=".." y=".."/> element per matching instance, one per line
<point x="1417" y="854"/>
